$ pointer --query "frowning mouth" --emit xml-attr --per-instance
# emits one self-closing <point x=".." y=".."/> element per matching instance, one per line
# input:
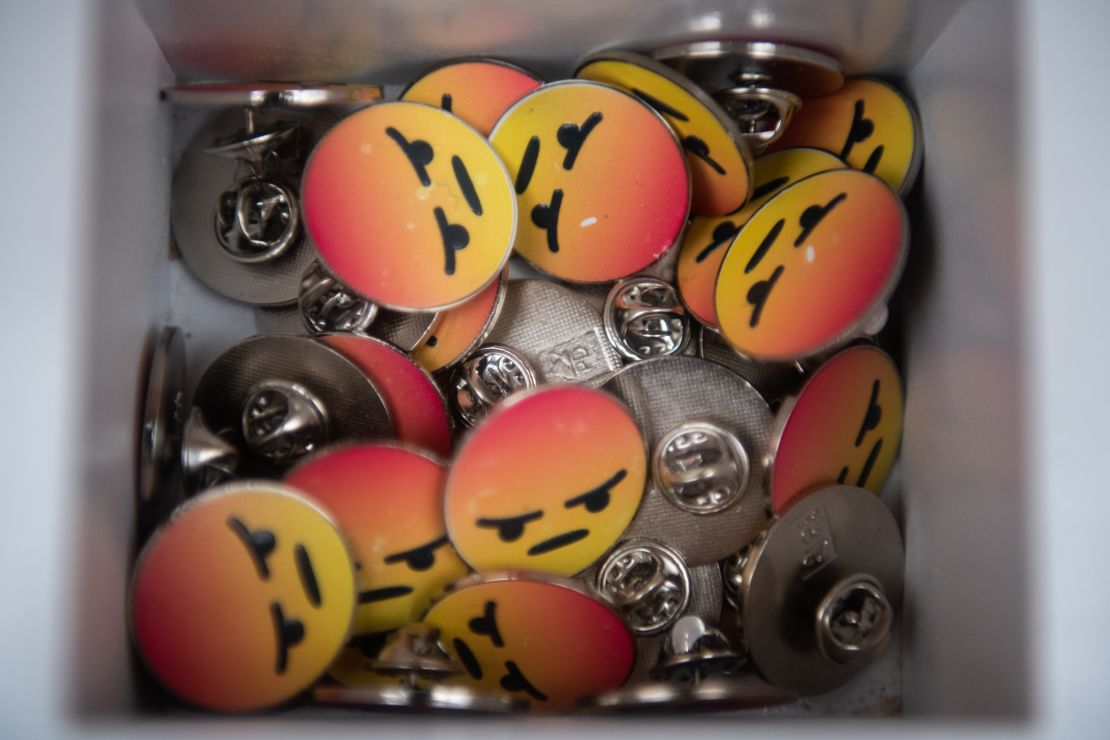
<point x="381" y="594"/>
<point x="561" y="540"/>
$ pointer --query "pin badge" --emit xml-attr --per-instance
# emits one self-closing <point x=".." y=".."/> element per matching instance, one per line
<point x="708" y="237"/>
<point x="760" y="84"/>
<point x="773" y="380"/>
<point x="817" y="591"/>
<point x="414" y="401"/>
<point x="278" y="398"/>
<point x="867" y="123"/>
<point x="163" y="420"/>
<point x="547" y="482"/>
<point x="844" y="426"/>
<point x="593" y="165"/>
<point x="540" y="639"/>
<point x="409" y="207"/>
<point x="717" y="155"/>
<point x="329" y="306"/>
<point x="558" y="332"/>
<point x="458" y="331"/>
<point x="644" y="318"/>
<point x="477" y="90"/>
<point x="707" y="431"/>
<point x="235" y="213"/>
<point x="243" y="598"/>
<point x="388" y="501"/>
<point x="812" y="267"/>
<point x="489" y="376"/>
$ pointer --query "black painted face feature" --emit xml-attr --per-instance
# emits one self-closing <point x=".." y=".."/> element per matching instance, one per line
<point x="418" y="558"/>
<point x="467" y="658"/>
<point x="597" y="499"/>
<point x="260" y="544"/>
<point x="560" y="540"/>
<point x="486" y="625"/>
<point x="383" y="594"/>
<point x="514" y="680"/>
<point x="419" y="153"/>
<point x="288" y="633"/>
<point x="511" y="528"/>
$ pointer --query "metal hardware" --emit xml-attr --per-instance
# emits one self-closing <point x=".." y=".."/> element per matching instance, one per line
<point x="314" y="384"/>
<point x="162" y="418"/>
<point x="491" y="375"/>
<point x="329" y="306"/>
<point x="702" y="519"/>
<point x="694" y="651"/>
<point x="649" y="584"/>
<point x="207" y="459"/>
<point x="437" y="698"/>
<point x="700" y="467"/>
<point x="283" y="421"/>
<point x="815" y="592"/>
<point x="760" y="84"/>
<point x="644" y="318"/>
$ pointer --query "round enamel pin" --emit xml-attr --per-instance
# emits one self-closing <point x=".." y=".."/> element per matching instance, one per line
<point x="812" y="266"/>
<point x="409" y="206"/>
<point x="388" y="501"/>
<point x="477" y="90"/>
<point x="716" y="153"/>
<point x="415" y="403"/>
<point x="844" y="426"/>
<point x="540" y="639"/>
<point x="459" y="330"/>
<point x="867" y="123"/>
<point x="242" y="599"/>
<point x="601" y="180"/>
<point x="707" y="238"/>
<point x="548" y="482"/>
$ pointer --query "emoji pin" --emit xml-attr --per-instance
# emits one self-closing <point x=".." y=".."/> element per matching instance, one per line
<point x="715" y="150"/>
<point x="867" y="123"/>
<point x="414" y="401"/>
<point x="548" y="482"/>
<point x="242" y="599"/>
<point x="477" y="90"/>
<point x="542" y="639"/>
<point x="844" y="426"/>
<point x="707" y="238"/>
<point x="459" y="330"/>
<point x="409" y="207"/>
<point x="388" y="501"/>
<point x="601" y="180"/>
<point x="812" y="267"/>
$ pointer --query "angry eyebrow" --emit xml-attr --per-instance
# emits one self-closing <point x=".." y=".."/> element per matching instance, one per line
<point x="659" y="105"/>
<point x="509" y="528"/>
<point x="596" y="499"/>
<point x="571" y="137"/>
<point x="486" y="625"/>
<point x="419" y="154"/>
<point x="418" y="558"/>
<point x="259" y="543"/>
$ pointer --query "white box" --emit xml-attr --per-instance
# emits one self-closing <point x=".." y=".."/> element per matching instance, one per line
<point x="1003" y="500"/>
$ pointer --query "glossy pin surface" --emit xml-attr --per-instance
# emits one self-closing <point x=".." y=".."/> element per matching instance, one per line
<point x="477" y="90"/>
<point x="547" y="482"/>
<point x="716" y="153"/>
<point x="707" y="238"/>
<point x="867" y="123"/>
<point x="388" y="500"/>
<point x="593" y="165"/>
<point x="539" y="639"/>
<point x="409" y="206"/>
<point x="844" y="426"/>
<point x="242" y="600"/>
<point x="812" y="266"/>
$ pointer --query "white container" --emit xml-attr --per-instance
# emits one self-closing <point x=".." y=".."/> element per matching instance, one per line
<point x="1002" y="497"/>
